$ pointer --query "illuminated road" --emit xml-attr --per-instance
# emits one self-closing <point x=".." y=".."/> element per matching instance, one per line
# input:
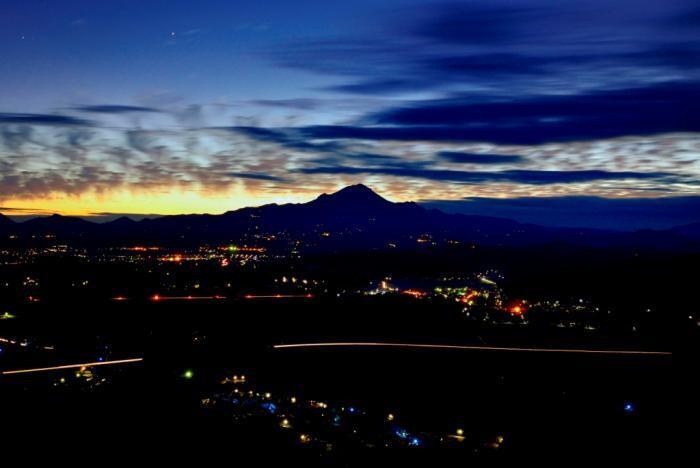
<point x="279" y="296"/>
<point x="352" y="344"/>
<point x="72" y="366"/>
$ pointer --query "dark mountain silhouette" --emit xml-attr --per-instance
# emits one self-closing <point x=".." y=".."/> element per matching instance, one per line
<point x="57" y="225"/>
<point x="353" y="218"/>
<point x="122" y="221"/>
<point x="5" y="221"/>
<point x="689" y="231"/>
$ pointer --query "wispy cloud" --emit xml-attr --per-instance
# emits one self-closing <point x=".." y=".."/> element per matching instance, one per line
<point x="479" y="158"/>
<point x="43" y="119"/>
<point x="115" y="109"/>
<point x="476" y="177"/>
<point x="521" y="47"/>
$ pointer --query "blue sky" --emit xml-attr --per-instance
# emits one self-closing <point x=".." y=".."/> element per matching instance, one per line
<point x="170" y="106"/>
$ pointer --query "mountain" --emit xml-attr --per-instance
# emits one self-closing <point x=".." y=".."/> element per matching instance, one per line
<point x="355" y="217"/>
<point x="57" y="225"/>
<point x="689" y="231"/>
<point x="5" y="221"/>
<point x="354" y="198"/>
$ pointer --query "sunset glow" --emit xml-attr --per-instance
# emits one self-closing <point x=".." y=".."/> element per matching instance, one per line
<point x="188" y="114"/>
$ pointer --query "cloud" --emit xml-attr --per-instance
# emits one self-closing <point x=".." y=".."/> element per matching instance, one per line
<point x="479" y="158"/>
<point x="528" y="120"/>
<point x="408" y="161"/>
<point x="531" y="177"/>
<point x="491" y="23"/>
<point x="255" y="176"/>
<point x="291" y="138"/>
<point x="43" y="119"/>
<point x="662" y="108"/>
<point x="498" y="45"/>
<point x="14" y="138"/>
<point x="115" y="109"/>
<point x="286" y="138"/>
<point x="296" y="104"/>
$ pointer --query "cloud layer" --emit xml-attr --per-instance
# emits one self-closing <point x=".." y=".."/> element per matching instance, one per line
<point x="525" y="98"/>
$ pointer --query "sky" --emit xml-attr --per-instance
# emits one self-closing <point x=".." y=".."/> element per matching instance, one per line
<point x="536" y="109"/>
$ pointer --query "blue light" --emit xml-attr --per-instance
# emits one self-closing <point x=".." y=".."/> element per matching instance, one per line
<point x="401" y="433"/>
<point x="271" y="407"/>
<point x="415" y="442"/>
<point x="629" y="407"/>
<point x="351" y="409"/>
<point x="100" y="359"/>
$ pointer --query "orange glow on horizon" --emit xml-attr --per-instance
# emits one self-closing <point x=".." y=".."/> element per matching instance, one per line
<point x="168" y="200"/>
<point x="163" y="202"/>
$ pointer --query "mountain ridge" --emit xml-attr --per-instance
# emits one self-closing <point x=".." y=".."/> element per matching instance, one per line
<point x="354" y="216"/>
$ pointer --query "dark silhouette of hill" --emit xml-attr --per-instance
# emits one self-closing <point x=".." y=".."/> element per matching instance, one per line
<point x="5" y="221"/>
<point x="353" y="218"/>
<point x="689" y="231"/>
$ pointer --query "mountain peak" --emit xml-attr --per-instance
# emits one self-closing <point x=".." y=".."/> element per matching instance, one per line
<point x="358" y="193"/>
<point x="122" y="220"/>
<point x="357" y="188"/>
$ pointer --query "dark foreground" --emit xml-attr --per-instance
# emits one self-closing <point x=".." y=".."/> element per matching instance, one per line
<point x="211" y="385"/>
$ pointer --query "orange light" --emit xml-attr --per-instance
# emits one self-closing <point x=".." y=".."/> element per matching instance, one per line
<point x="155" y="297"/>
<point x="342" y="344"/>
<point x="72" y="366"/>
<point x="413" y="292"/>
<point x="278" y="296"/>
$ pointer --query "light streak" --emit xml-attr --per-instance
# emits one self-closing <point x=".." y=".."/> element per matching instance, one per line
<point x="158" y="297"/>
<point x="473" y="348"/>
<point x="279" y="296"/>
<point x="72" y="366"/>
